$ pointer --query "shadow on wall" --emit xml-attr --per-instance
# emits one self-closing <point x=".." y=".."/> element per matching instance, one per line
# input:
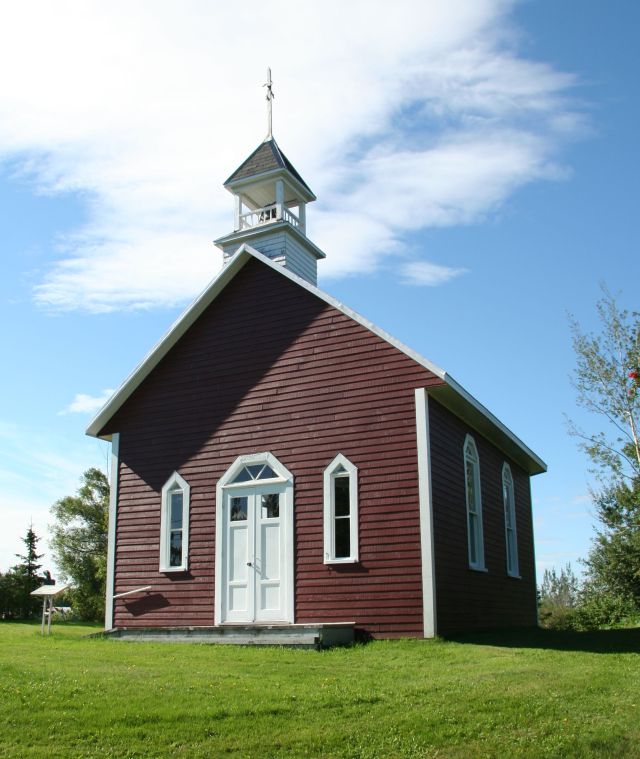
<point x="596" y="641"/>
<point x="214" y="369"/>
<point x="141" y="606"/>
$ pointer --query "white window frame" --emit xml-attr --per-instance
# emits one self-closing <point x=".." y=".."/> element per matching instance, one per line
<point x="471" y="456"/>
<point x="329" y="510"/>
<point x="509" y="501"/>
<point x="174" y="484"/>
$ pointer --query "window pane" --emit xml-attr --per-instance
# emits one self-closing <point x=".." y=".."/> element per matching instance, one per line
<point x="343" y="538"/>
<point x="176" y="510"/>
<point x="508" y="507"/>
<point x="471" y="486"/>
<point x="239" y="509"/>
<point x="254" y="470"/>
<point x="511" y="551"/>
<point x="175" y="548"/>
<point x="339" y="469"/>
<point x="270" y="506"/>
<point x="243" y="476"/>
<point x="473" y="539"/>
<point x="267" y="473"/>
<point x="341" y="496"/>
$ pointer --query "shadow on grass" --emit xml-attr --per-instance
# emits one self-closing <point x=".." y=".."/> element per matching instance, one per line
<point x="597" y="641"/>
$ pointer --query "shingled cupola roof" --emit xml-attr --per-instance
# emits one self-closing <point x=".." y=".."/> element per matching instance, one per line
<point x="267" y="158"/>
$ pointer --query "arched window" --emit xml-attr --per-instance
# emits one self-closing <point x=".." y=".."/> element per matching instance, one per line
<point x="340" y="511"/>
<point x="474" y="504"/>
<point x="508" y="496"/>
<point x="174" y="525"/>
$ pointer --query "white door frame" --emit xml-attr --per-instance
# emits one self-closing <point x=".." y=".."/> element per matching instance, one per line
<point x="283" y="477"/>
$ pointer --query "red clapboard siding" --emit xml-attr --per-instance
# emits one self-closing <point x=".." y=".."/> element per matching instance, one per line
<point x="269" y="366"/>
<point x="467" y="599"/>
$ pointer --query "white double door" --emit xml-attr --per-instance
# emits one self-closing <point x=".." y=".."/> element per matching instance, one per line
<point x="255" y="554"/>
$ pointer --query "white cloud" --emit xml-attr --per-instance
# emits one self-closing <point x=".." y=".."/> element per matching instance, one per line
<point x="400" y="117"/>
<point x="429" y="274"/>
<point x="35" y="472"/>
<point x="87" y="404"/>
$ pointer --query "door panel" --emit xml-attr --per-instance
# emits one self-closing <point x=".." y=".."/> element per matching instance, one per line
<point x="255" y="566"/>
<point x="269" y="557"/>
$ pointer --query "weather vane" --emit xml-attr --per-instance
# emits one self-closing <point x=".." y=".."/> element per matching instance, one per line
<point x="270" y="97"/>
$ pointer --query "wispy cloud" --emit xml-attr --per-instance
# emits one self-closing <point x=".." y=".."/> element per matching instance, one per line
<point x="36" y="471"/>
<point x="87" y="404"/>
<point x="427" y="115"/>
<point x="428" y="274"/>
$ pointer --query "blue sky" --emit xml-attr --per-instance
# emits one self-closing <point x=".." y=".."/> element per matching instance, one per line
<point x="476" y="166"/>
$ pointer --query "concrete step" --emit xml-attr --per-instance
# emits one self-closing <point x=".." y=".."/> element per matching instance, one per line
<point x="321" y="635"/>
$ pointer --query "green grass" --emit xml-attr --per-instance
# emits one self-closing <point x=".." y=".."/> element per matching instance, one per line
<point x="535" y="694"/>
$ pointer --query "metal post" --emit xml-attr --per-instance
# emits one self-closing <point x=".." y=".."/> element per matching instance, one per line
<point x="279" y="199"/>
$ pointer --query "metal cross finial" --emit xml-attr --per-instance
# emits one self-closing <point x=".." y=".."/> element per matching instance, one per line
<point x="270" y="97"/>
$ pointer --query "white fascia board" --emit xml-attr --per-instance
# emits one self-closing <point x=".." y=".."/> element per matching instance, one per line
<point x="169" y="339"/>
<point x="450" y="393"/>
<point x="270" y="228"/>
<point x="458" y="400"/>
<point x="237" y="185"/>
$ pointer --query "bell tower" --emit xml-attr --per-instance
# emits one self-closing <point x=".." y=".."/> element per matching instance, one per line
<point x="270" y="208"/>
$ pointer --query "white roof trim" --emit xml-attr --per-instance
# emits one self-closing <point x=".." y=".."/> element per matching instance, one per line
<point x="451" y="394"/>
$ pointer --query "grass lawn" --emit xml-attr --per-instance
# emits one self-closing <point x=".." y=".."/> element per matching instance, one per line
<point x="536" y="694"/>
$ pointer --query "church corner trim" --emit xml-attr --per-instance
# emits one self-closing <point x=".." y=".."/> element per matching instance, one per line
<point x="425" y="498"/>
<point x="111" y="532"/>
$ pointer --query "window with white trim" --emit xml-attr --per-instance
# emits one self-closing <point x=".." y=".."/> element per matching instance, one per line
<point x="508" y="497"/>
<point x="340" y="511"/>
<point x="474" y="504"/>
<point x="174" y="525"/>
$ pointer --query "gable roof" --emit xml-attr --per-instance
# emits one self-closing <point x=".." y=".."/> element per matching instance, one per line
<point x="266" y="157"/>
<point x="450" y="393"/>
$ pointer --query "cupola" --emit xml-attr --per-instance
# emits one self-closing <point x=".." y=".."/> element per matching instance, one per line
<point x="270" y="209"/>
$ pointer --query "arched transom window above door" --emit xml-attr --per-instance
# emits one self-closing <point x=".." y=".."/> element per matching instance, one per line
<point x="255" y="469"/>
<point x="254" y="473"/>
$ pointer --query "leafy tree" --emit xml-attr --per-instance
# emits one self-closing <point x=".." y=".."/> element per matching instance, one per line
<point x="607" y="382"/>
<point x="9" y="596"/>
<point x="559" y="595"/>
<point x="606" y="379"/>
<point x="560" y="589"/>
<point x="79" y="542"/>
<point x="613" y="563"/>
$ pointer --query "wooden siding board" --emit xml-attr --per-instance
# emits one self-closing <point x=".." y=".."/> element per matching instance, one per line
<point x="271" y="367"/>
<point x="468" y="599"/>
<point x="224" y="390"/>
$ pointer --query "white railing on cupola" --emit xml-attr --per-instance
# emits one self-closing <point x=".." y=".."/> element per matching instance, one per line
<point x="267" y="215"/>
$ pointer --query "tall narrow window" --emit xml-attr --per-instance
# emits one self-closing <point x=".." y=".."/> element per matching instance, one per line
<point x="474" y="504"/>
<point x="508" y="496"/>
<point x="340" y="511"/>
<point x="174" y="525"/>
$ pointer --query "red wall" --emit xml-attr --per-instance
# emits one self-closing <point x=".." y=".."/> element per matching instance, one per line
<point x="271" y="367"/>
<point x="467" y="599"/>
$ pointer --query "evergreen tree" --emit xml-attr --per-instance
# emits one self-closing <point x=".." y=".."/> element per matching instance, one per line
<point x="23" y="578"/>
